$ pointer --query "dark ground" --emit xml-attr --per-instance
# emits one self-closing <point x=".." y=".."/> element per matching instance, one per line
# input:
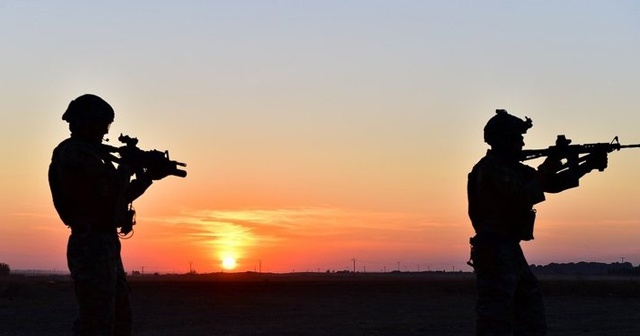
<point x="318" y="304"/>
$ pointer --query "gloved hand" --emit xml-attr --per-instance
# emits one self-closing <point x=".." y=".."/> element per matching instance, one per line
<point x="597" y="160"/>
<point x="550" y="166"/>
<point x="123" y="175"/>
<point x="159" y="172"/>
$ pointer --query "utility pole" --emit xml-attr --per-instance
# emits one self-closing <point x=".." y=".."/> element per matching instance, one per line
<point x="354" y="264"/>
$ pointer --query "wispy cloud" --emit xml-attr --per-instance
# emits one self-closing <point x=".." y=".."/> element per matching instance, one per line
<point x="269" y="227"/>
<point x="276" y="224"/>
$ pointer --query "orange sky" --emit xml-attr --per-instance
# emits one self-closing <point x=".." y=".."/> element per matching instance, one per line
<point x="322" y="132"/>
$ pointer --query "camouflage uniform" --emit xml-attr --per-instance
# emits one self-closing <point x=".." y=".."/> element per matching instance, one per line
<point x="91" y="197"/>
<point x="502" y="194"/>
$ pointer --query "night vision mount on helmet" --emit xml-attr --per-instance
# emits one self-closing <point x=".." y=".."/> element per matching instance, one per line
<point x="504" y="126"/>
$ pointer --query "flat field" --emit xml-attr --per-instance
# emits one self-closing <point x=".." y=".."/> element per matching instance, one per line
<point x="318" y="304"/>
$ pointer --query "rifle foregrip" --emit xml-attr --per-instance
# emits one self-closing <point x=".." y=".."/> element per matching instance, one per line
<point x="179" y="172"/>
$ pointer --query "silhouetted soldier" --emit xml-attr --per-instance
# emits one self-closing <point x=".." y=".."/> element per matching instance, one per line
<point x="92" y="197"/>
<point x="501" y="193"/>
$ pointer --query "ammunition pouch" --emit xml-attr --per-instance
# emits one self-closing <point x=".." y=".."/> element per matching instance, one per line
<point x="527" y="224"/>
<point x="129" y="221"/>
<point x="483" y="254"/>
<point x="471" y="251"/>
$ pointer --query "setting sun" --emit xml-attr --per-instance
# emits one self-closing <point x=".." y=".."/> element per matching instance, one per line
<point x="229" y="263"/>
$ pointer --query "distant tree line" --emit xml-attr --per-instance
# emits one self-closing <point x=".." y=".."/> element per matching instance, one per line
<point x="587" y="268"/>
<point x="4" y="269"/>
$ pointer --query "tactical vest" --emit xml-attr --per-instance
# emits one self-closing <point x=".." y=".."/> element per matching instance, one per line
<point x="501" y="195"/>
<point x="87" y="190"/>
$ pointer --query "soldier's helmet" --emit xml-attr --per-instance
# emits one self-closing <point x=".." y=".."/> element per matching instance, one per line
<point x="87" y="108"/>
<point x="504" y="126"/>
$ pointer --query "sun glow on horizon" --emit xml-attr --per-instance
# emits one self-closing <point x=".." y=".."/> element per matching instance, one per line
<point x="248" y="239"/>
<point x="229" y="263"/>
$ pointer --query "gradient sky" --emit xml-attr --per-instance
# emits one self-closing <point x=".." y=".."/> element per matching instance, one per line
<point x="317" y="132"/>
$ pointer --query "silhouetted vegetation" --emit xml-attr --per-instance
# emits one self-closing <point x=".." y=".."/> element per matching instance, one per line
<point x="587" y="268"/>
<point x="4" y="269"/>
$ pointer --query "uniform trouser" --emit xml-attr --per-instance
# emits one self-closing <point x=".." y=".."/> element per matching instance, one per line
<point x="101" y="289"/>
<point x="509" y="299"/>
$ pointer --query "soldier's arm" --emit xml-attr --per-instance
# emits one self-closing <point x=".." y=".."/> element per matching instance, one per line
<point x="83" y="171"/>
<point x="144" y="179"/>
<point x="137" y="187"/>
<point x="511" y="187"/>
<point x="556" y="181"/>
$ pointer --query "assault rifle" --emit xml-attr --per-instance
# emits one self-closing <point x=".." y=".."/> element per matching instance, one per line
<point x="141" y="160"/>
<point x="563" y="149"/>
